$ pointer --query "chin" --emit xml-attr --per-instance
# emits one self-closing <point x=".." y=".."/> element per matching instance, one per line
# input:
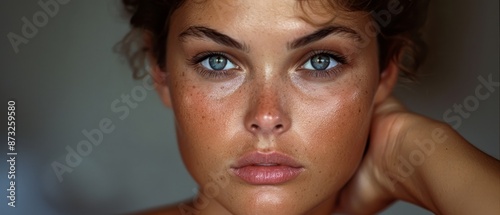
<point x="296" y="197"/>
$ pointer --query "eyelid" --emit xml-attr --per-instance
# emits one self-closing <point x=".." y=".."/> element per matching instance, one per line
<point x="196" y="61"/>
<point x="323" y="75"/>
<point x="207" y="65"/>
<point x="198" y="58"/>
<point x="341" y="60"/>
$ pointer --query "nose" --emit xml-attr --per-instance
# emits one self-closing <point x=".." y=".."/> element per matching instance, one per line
<point x="266" y="115"/>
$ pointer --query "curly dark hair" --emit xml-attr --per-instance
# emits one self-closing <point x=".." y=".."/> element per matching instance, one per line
<point x="399" y="40"/>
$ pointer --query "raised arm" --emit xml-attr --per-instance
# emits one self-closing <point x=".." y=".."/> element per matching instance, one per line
<point x="425" y="162"/>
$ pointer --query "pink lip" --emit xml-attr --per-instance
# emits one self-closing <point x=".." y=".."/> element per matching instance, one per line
<point x="266" y="169"/>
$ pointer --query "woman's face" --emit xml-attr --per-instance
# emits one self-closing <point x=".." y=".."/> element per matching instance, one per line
<point x="272" y="102"/>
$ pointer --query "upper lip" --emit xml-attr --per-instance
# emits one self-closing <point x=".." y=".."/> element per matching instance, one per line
<point x="266" y="159"/>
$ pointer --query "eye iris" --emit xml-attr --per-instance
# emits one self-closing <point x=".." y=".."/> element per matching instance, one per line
<point x="320" y="62"/>
<point x="217" y="62"/>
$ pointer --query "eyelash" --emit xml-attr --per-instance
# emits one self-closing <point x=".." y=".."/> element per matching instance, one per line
<point x="209" y="74"/>
<point x="315" y="74"/>
<point x="325" y="74"/>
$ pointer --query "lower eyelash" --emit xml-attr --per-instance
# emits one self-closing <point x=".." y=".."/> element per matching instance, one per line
<point x="325" y="74"/>
<point x="210" y="74"/>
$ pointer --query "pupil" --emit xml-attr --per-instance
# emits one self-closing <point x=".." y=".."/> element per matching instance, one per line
<point x="320" y="62"/>
<point x="218" y="62"/>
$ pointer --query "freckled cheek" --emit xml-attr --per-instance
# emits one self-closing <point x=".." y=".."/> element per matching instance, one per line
<point x="202" y="121"/>
<point x="200" y="132"/>
<point x="196" y="114"/>
<point x="338" y="137"/>
<point x="206" y="107"/>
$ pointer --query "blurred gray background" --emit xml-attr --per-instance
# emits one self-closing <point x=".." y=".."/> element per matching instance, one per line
<point x="67" y="76"/>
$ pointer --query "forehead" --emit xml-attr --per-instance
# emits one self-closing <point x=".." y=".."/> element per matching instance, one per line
<point x="262" y="13"/>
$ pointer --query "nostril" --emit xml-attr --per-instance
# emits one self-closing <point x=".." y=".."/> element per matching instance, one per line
<point x="267" y="124"/>
<point x="254" y="127"/>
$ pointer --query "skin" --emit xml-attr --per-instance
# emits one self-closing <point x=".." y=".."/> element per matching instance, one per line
<point x="453" y="178"/>
<point x="269" y="102"/>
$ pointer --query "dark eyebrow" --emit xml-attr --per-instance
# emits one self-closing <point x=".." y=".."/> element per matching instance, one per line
<point x="322" y="33"/>
<point x="220" y="38"/>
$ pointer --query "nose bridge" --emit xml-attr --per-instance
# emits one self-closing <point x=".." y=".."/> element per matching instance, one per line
<point x="268" y="101"/>
<point x="266" y="114"/>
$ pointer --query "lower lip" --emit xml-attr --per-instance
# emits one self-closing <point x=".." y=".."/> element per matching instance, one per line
<point x="267" y="175"/>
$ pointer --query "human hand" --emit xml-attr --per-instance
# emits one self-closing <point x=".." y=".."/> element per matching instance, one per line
<point x="432" y="184"/>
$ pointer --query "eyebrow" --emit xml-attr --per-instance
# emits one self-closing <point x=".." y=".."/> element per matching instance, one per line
<point x="325" y="32"/>
<point x="220" y="38"/>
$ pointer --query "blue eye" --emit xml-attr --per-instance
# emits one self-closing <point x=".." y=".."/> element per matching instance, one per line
<point x="320" y="62"/>
<point x="217" y="62"/>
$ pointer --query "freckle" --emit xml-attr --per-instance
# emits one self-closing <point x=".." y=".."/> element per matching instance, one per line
<point x="359" y="110"/>
<point x="183" y="74"/>
<point x="320" y="171"/>
<point x="316" y="195"/>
